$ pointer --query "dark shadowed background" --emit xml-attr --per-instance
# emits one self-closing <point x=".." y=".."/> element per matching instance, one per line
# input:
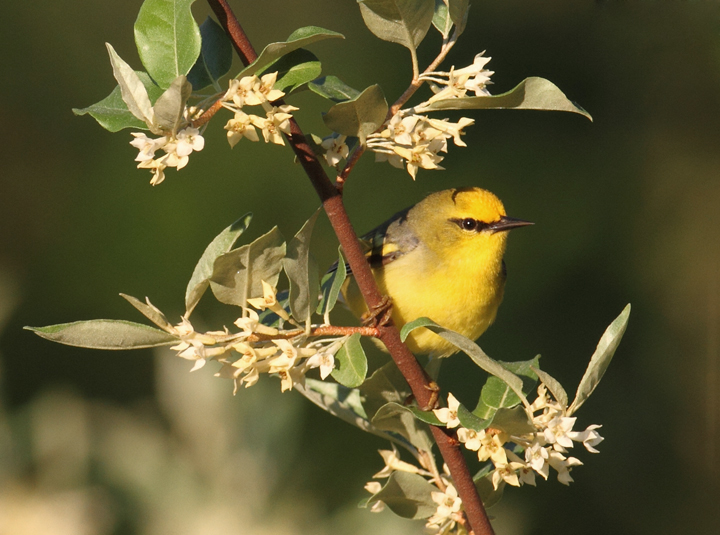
<point x="627" y="209"/>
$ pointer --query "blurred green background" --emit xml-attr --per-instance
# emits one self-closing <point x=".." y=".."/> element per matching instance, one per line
<point x="627" y="209"/>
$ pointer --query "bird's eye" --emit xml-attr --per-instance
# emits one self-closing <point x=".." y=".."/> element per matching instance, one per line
<point x="469" y="224"/>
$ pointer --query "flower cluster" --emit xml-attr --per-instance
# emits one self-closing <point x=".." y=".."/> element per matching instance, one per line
<point x="177" y="147"/>
<point x="448" y="514"/>
<point x="543" y="449"/>
<point x="255" y="91"/>
<point x="412" y="140"/>
<point x="256" y="348"/>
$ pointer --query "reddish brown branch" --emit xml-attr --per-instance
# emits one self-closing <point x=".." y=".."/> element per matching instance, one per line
<point x="388" y="334"/>
<point x="208" y="114"/>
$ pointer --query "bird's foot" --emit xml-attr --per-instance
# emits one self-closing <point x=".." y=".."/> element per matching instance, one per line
<point x="379" y="315"/>
<point x="432" y="403"/>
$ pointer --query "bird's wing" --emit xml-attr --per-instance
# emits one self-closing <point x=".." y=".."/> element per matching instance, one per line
<point x="387" y="242"/>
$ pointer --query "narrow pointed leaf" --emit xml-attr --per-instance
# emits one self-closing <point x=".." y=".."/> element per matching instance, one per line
<point x="105" y="334"/>
<point x="360" y="116"/>
<point x="471" y="421"/>
<point x="554" y="386"/>
<point x="441" y="18"/>
<point x="601" y="359"/>
<point x="470" y="348"/>
<point x="167" y="38"/>
<point x="531" y="94"/>
<point x="222" y="243"/>
<point x="238" y="274"/>
<point x="215" y="57"/>
<point x="113" y="114"/>
<point x="351" y="362"/>
<point x="132" y="89"/>
<point x="298" y="39"/>
<point x="333" y="88"/>
<point x="396" y="418"/>
<point x="294" y="70"/>
<point x="487" y="492"/>
<point x="302" y="272"/>
<point x="405" y="22"/>
<point x="150" y="312"/>
<point x="171" y="104"/>
<point x="513" y="421"/>
<point x="427" y="417"/>
<point x="385" y="385"/>
<point x="458" y="11"/>
<point x="496" y="394"/>
<point x="408" y="495"/>
<point x="331" y="284"/>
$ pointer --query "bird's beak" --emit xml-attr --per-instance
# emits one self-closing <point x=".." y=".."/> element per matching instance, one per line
<point x="506" y="223"/>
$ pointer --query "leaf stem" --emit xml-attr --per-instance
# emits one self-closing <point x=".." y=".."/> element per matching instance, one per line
<point x="406" y="362"/>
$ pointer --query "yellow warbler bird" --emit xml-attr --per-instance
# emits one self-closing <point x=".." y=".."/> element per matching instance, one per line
<point x="443" y="259"/>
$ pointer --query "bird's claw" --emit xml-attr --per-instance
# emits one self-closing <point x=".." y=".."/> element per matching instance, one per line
<point x="432" y="403"/>
<point x="379" y="315"/>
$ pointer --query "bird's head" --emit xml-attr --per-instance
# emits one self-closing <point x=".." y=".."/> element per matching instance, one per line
<point x="464" y="222"/>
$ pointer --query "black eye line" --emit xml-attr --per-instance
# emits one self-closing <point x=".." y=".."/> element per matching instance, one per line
<point x="469" y="224"/>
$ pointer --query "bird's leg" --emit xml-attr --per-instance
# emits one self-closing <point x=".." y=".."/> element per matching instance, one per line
<point x="432" y="403"/>
<point x="379" y="315"/>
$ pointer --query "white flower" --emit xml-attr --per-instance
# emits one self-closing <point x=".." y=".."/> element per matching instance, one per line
<point x="448" y="415"/>
<point x="492" y="448"/>
<point x="336" y="149"/>
<point x="189" y="140"/>
<point x="471" y="438"/>
<point x="393" y="463"/>
<point x="590" y="438"/>
<point x="556" y="432"/>
<point x="537" y="457"/>
<point x="563" y="466"/>
<point x="448" y="503"/>
<point x="325" y="361"/>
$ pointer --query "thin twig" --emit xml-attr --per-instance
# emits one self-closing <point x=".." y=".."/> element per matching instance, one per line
<point x="390" y="336"/>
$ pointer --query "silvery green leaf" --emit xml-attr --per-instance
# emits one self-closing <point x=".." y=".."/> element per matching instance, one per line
<point x="531" y="94"/>
<point x="513" y="421"/>
<point x="215" y="57"/>
<point x="167" y="38"/>
<point x="496" y="394"/>
<point x="222" y="243"/>
<point x="405" y="22"/>
<point x="408" y="495"/>
<point x="105" y="334"/>
<point x="441" y="18"/>
<point x="302" y="272"/>
<point x="396" y="418"/>
<point x="132" y="89"/>
<point x="295" y="70"/>
<point x="238" y="274"/>
<point x="352" y="364"/>
<point x="471" y="349"/>
<point x="298" y="39"/>
<point x="333" y="88"/>
<point x="360" y="116"/>
<point x="554" y="386"/>
<point x="600" y="360"/>
<point x="149" y="311"/>
<point x="170" y="106"/>
<point x="331" y="284"/>
<point x="385" y="385"/>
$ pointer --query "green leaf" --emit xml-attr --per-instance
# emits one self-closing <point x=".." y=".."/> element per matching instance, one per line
<point x="531" y="94"/>
<point x="487" y="492"/>
<point x="170" y="106"/>
<point x="385" y="385"/>
<point x="601" y="359"/>
<point x="222" y="243"/>
<point x="302" y="272"/>
<point x="469" y="420"/>
<point x="105" y="334"/>
<point x="408" y="495"/>
<point x="514" y="421"/>
<point x="333" y="88"/>
<point x="405" y="22"/>
<point x="396" y="418"/>
<point x="554" y="386"/>
<point x="215" y="57"/>
<point x="351" y="362"/>
<point x="295" y="69"/>
<point x="298" y="39"/>
<point x="149" y="311"/>
<point x="331" y="284"/>
<point x="167" y="38"/>
<point x="470" y="348"/>
<point x="238" y="274"/>
<point x="113" y="114"/>
<point x="132" y="89"/>
<point x="441" y="18"/>
<point x="360" y="116"/>
<point x="427" y="417"/>
<point x="496" y="394"/>
<point x="459" y="10"/>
